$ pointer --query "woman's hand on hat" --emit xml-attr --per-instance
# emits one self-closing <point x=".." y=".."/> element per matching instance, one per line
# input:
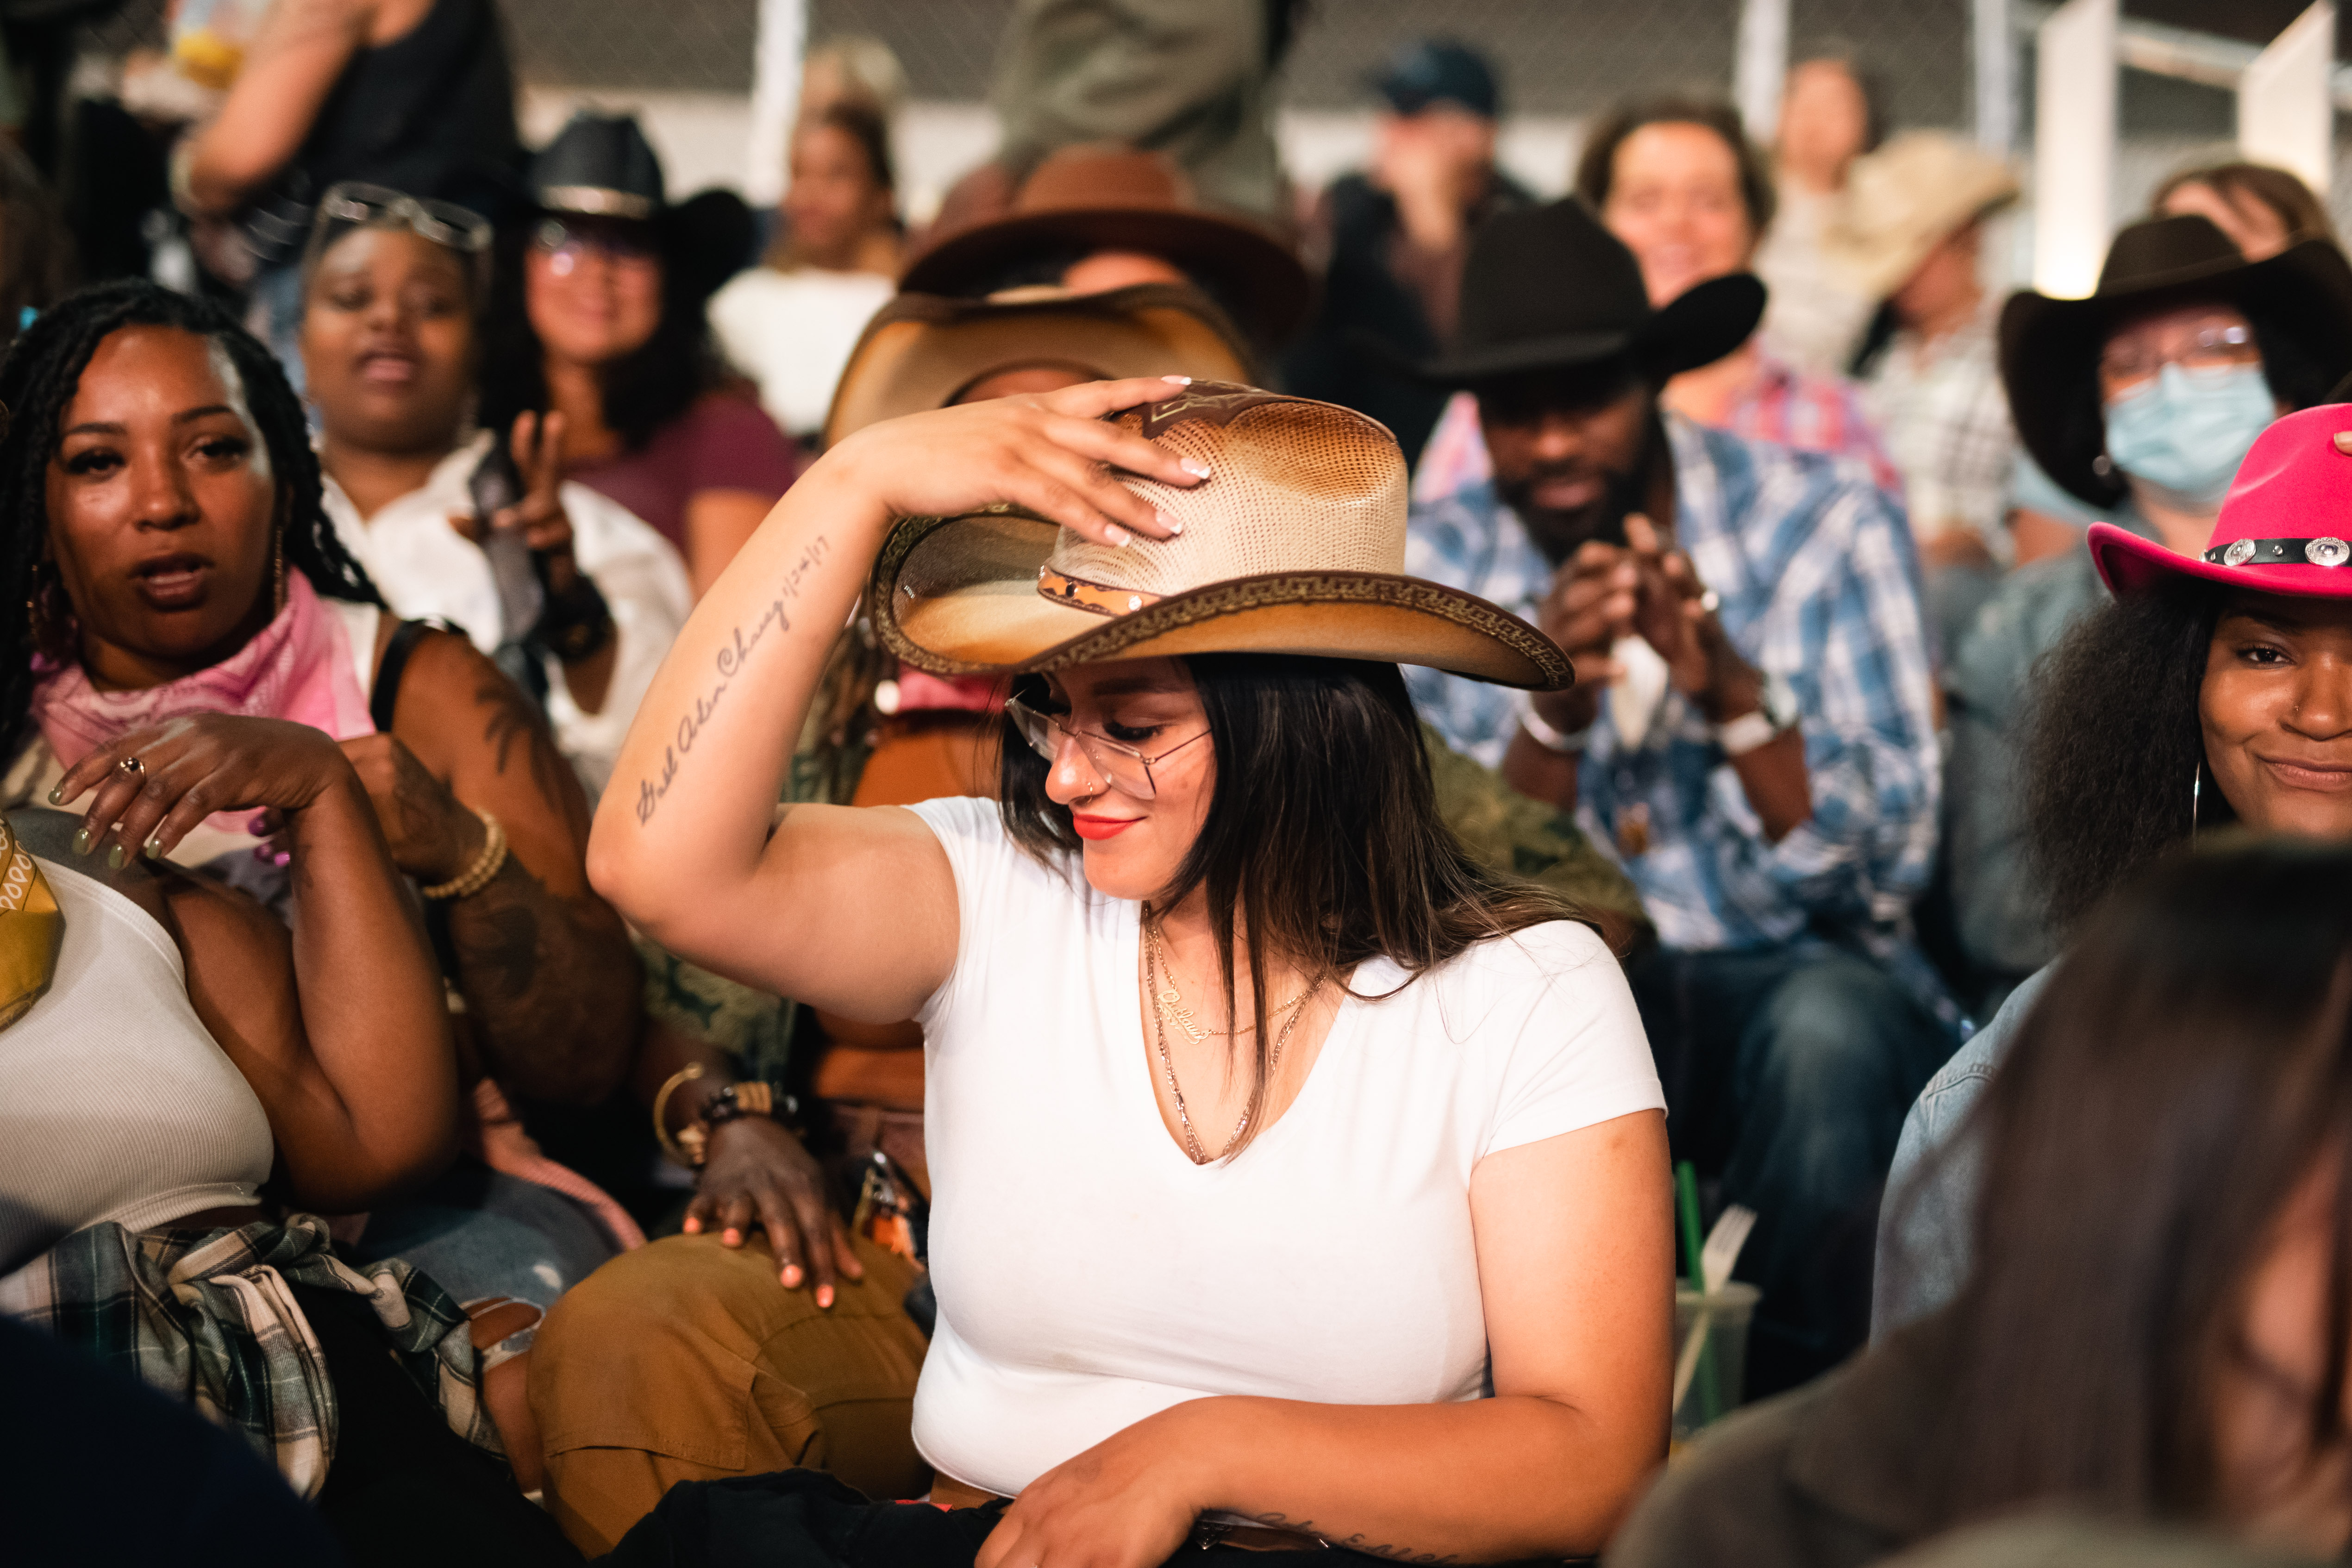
<point x="758" y="1175"/>
<point x="1049" y="452"/>
<point x="186" y="770"/>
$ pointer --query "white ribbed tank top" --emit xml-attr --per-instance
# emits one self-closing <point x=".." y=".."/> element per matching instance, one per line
<point x="115" y="1101"/>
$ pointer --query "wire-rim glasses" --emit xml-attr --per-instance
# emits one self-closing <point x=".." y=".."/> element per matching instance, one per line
<point x="1116" y="763"/>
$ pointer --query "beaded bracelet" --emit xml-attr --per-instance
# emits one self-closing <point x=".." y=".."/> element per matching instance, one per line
<point x="476" y="877"/>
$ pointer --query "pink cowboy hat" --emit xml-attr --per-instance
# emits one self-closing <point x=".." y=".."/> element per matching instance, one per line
<point x="2286" y="527"/>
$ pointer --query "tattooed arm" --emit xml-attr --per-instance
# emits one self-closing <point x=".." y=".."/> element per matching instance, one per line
<point x="550" y="978"/>
<point x="852" y="910"/>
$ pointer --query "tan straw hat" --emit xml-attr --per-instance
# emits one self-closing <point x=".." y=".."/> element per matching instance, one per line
<point x="922" y="351"/>
<point x="1901" y="202"/>
<point x="1295" y="544"/>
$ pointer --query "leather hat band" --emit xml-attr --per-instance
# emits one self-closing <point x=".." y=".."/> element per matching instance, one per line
<point x="1091" y="596"/>
<point x="2326" y="551"/>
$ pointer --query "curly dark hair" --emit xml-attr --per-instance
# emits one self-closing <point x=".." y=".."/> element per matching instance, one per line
<point x="2112" y="745"/>
<point x="37" y="380"/>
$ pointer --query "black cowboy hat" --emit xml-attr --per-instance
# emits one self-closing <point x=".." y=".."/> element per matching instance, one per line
<point x="1548" y="288"/>
<point x="2050" y="347"/>
<point x="601" y="167"/>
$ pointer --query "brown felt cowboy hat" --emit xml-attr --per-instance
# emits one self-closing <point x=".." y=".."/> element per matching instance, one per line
<point x="2050" y="347"/>
<point x="1294" y="544"/>
<point x="1550" y="288"/>
<point x="923" y="350"/>
<point x="1109" y="197"/>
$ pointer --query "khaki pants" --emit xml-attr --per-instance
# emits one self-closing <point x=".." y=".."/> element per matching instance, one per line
<point x="687" y="1361"/>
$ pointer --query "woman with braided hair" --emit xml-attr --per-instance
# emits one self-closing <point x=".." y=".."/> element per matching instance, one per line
<point x="164" y="527"/>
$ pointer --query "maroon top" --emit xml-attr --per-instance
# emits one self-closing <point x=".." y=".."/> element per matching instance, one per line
<point x="721" y="443"/>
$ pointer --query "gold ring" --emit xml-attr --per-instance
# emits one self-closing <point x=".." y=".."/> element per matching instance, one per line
<point x="130" y="766"/>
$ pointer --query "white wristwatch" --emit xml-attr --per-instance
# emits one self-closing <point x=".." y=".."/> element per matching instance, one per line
<point x="1779" y="711"/>
<point x="1565" y="743"/>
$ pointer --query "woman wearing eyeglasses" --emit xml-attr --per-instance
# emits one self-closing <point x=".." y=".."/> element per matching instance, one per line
<point x="1294" y="1179"/>
<point x="601" y="318"/>
<point x="568" y="591"/>
<point x="2139" y="403"/>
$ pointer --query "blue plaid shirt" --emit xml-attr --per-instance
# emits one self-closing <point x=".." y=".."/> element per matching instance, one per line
<point x="1819" y="585"/>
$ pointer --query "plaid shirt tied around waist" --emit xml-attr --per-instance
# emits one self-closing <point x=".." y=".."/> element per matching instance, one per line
<point x="209" y="1317"/>
<point x="1818" y="583"/>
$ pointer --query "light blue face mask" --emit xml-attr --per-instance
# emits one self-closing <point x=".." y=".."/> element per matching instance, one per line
<point x="2187" y="431"/>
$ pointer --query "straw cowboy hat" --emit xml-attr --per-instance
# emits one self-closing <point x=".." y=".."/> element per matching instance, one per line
<point x="1903" y="200"/>
<point x="1548" y="288"/>
<point x="1091" y="198"/>
<point x="2285" y="527"/>
<point x="1295" y="545"/>
<point x="2050" y="347"/>
<point x="923" y="351"/>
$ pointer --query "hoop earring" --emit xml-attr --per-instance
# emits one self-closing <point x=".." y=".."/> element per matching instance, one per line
<point x="48" y="628"/>
<point x="2196" y="800"/>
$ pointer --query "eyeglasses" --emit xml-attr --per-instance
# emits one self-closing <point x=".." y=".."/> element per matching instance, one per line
<point x="2126" y="364"/>
<point x="617" y="243"/>
<point x="356" y="205"/>
<point x="1122" y="766"/>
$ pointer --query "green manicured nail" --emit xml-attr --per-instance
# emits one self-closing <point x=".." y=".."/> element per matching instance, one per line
<point x="155" y="848"/>
<point x="117" y="857"/>
<point x="81" y="841"/>
<point x="57" y="793"/>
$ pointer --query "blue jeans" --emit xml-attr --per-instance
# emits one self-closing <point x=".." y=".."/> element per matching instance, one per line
<point x="478" y="1232"/>
<point x="1787" y="1073"/>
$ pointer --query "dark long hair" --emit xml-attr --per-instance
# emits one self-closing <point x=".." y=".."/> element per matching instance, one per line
<point x="2113" y="746"/>
<point x="2189" y="1064"/>
<point x="643" y="389"/>
<point x="1322" y="841"/>
<point x="37" y="380"/>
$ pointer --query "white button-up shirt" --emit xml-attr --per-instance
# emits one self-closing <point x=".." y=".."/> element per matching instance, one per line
<point x="428" y="570"/>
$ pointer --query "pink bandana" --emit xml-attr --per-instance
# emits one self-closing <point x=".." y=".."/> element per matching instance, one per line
<point x="299" y="667"/>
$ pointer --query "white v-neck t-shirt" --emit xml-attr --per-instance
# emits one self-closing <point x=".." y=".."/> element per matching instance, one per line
<point x="1089" y="1274"/>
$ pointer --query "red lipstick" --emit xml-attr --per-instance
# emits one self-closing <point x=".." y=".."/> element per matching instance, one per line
<point x="1095" y="828"/>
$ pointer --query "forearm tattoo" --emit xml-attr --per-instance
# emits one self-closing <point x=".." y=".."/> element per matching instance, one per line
<point x="1353" y="1542"/>
<point x="730" y="660"/>
<point x="511" y="720"/>
<point x="552" y="988"/>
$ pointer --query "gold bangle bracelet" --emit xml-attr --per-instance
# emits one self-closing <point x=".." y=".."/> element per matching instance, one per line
<point x="687" y="1075"/>
<point x="486" y="864"/>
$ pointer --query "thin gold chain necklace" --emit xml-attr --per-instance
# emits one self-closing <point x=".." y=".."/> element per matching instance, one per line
<point x="1169" y="1001"/>
<point x="1297" y="1005"/>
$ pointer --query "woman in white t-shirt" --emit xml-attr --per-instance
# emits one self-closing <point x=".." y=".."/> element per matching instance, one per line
<point x="1289" y="1170"/>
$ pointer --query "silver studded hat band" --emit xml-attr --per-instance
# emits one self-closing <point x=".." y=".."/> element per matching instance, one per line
<point x="2327" y="551"/>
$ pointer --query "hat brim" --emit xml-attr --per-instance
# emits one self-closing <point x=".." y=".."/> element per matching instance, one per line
<point x="2047" y="347"/>
<point x="1261" y="277"/>
<point x="920" y="349"/>
<point x="2129" y="564"/>
<point x="977" y="610"/>
<point x="1697" y="327"/>
<point x="1878" y="265"/>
